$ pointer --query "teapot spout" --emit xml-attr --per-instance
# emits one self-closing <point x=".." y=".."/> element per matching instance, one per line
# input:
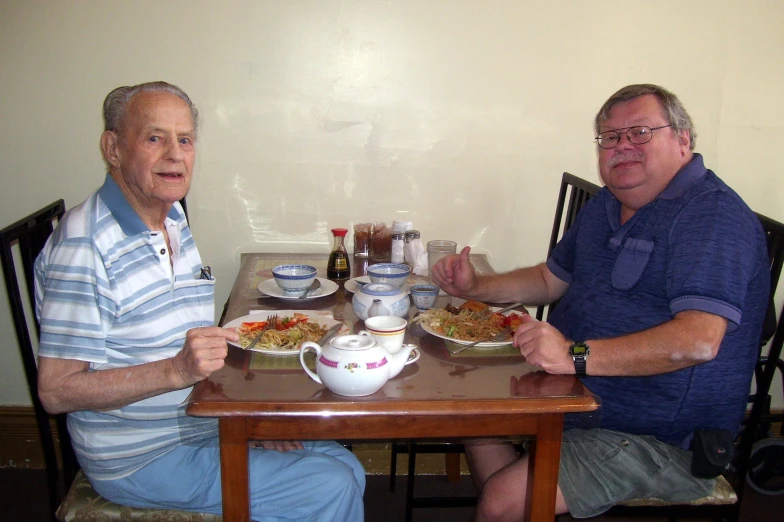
<point x="398" y="360"/>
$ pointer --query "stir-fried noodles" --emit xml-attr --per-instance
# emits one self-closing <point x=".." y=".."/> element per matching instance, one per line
<point x="289" y="333"/>
<point x="463" y="324"/>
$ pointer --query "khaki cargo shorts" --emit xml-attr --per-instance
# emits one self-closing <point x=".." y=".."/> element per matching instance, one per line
<point x="600" y="468"/>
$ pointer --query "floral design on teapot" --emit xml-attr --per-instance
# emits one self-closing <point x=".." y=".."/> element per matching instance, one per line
<point x="351" y="367"/>
<point x="377" y="364"/>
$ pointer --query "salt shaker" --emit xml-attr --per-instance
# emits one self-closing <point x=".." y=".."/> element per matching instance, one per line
<point x="398" y="244"/>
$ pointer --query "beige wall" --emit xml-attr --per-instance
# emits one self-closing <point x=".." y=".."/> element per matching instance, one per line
<point x="458" y="115"/>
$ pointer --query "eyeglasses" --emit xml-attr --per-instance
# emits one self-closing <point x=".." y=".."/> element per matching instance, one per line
<point x="637" y="135"/>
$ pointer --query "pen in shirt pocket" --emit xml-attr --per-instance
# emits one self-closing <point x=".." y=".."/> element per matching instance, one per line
<point x="206" y="273"/>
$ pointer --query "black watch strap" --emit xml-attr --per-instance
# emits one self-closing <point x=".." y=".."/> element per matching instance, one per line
<point x="579" y="352"/>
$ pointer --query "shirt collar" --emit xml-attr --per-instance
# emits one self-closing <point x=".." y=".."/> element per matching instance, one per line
<point x="123" y="212"/>
<point x="685" y="178"/>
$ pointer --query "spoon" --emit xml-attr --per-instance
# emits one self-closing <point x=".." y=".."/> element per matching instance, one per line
<point x="313" y="287"/>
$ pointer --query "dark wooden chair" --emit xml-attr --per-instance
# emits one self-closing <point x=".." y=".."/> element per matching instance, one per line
<point x="71" y="498"/>
<point x="30" y="234"/>
<point x="579" y="191"/>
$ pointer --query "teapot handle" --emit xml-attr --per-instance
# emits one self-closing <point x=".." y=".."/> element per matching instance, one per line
<point x="304" y="348"/>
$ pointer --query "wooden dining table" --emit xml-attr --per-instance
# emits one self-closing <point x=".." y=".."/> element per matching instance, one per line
<point x="477" y="393"/>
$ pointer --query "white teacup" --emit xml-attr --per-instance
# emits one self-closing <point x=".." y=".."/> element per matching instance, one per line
<point x="387" y="330"/>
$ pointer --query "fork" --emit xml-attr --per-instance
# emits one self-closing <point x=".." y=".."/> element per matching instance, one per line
<point x="500" y="336"/>
<point x="271" y="322"/>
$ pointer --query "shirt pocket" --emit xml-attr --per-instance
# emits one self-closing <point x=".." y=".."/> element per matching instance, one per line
<point x="196" y="299"/>
<point x="631" y="263"/>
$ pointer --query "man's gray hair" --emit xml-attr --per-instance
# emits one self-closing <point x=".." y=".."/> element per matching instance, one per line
<point x="116" y="103"/>
<point x="674" y="110"/>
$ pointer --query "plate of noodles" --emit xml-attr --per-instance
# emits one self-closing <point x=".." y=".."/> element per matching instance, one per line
<point x="292" y="329"/>
<point x="472" y="321"/>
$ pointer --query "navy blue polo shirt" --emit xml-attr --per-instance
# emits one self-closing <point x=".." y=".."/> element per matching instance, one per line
<point x="698" y="246"/>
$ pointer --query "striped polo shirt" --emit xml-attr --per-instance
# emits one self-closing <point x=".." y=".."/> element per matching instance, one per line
<point x="108" y="293"/>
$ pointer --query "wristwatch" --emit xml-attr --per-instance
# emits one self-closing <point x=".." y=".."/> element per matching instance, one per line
<point x="579" y="352"/>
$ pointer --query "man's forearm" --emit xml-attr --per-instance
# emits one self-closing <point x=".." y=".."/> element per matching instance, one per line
<point x="64" y="388"/>
<point x="691" y="338"/>
<point x="532" y="286"/>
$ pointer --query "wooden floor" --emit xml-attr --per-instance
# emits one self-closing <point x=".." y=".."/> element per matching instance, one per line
<point x="23" y="499"/>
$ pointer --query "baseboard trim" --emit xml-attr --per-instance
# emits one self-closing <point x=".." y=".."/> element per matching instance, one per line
<point x="20" y="442"/>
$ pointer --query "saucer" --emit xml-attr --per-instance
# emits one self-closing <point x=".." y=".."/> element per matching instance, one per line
<point x="413" y="356"/>
<point x="270" y="287"/>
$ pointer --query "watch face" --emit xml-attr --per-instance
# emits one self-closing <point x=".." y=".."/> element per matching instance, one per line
<point x="579" y="349"/>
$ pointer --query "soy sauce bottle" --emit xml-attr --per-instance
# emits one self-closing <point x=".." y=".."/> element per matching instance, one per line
<point x="338" y="266"/>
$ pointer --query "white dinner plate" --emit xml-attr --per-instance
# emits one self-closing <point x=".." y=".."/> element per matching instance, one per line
<point x="355" y="283"/>
<point x="429" y="330"/>
<point x="259" y="316"/>
<point x="270" y="287"/>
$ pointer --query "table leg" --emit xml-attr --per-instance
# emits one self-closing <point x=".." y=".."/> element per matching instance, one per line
<point x="543" y="471"/>
<point x="452" y="465"/>
<point x="234" y="469"/>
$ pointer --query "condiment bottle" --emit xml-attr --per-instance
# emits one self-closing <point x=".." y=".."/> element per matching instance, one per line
<point x="412" y="247"/>
<point x="398" y="242"/>
<point x="338" y="266"/>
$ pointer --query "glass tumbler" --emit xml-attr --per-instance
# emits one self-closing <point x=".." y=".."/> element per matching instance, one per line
<point x="438" y="249"/>
<point x="362" y="238"/>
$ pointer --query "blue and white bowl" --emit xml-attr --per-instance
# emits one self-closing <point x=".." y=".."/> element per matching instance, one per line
<point x="389" y="273"/>
<point x="294" y="280"/>
<point x="424" y="296"/>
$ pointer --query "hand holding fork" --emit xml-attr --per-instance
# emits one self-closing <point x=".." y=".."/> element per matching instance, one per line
<point x="271" y="322"/>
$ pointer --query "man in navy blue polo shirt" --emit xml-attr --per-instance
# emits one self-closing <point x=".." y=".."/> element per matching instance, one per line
<point x="664" y="283"/>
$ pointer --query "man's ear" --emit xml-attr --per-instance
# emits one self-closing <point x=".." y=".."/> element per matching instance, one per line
<point x="685" y="139"/>
<point x="109" y="140"/>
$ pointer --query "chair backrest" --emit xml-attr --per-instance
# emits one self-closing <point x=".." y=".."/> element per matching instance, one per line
<point x="766" y="367"/>
<point x="580" y="191"/>
<point x="30" y="234"/>
<point x="774" y="232"/>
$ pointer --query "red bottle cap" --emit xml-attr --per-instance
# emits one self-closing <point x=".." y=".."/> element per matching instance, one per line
<point x="340" y="231"/>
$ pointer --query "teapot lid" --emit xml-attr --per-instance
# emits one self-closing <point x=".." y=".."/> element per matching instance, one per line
<point x="380" y="289"/>
<point x="353" y="342"/>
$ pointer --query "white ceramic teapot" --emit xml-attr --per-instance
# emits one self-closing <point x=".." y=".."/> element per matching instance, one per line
<point x="354" y="365"/>
<point x="394" y="300"/>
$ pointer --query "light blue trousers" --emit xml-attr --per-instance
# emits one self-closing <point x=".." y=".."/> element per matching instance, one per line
<point x="323" y="482"/>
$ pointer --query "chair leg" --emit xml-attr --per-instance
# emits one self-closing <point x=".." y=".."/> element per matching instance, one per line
<point x="393" y="468"/>
<point x="410" y="483"/>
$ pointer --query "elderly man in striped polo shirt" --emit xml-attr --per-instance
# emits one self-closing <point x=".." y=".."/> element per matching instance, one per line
<point x="127" y="329"/>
